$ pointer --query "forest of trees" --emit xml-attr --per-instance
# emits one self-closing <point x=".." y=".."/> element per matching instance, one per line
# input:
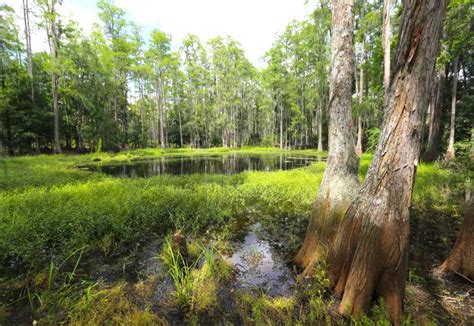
<point x="115" y="90"/>
<point x="389" y="77"/>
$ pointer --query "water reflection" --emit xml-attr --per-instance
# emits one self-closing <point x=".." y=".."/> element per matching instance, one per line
<point x="229" y="164"/>
<point x="260" y="267"/>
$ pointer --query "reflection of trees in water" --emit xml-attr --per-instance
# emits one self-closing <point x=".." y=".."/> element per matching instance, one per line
<point x="229" y="164"/>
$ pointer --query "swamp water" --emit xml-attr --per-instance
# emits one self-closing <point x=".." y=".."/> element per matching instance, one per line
<point x="260" y="267"/>
<point x="218" y="164"/>
<point x="258" y="251"/>
<point x="257" y="264"/>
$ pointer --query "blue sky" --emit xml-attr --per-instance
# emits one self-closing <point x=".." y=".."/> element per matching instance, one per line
<point x="254" y="23"/>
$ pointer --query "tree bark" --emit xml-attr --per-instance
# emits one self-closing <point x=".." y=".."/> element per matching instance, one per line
<point x="340" y="180"/>
<point x="368" y="255"/>
<point x="461" y="259"/>
<point x="452" y="129"/>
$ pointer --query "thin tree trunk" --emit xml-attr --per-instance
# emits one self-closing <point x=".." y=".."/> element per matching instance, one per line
<point x="452" y="129"/>
<point x="359" y="136"/>
<point x="340" y="181"/>
<point x="361" y="91"/>
<point x="142" y="125"/>
<point x="281" y="127"/>
<point x="54" y="81"/>
<point x="320" y="126"/>
<point x="180" y="128"/>
<point x="125" y="120"/>
<point x="29" y="56"/>
<point x="461" y="259"/>
<point x="431" y="152"/>
<point x="387" y="37"/>
<point x="80" y="123"/>
<point x="369" y="253"/>
<point x="160" y="113"/>
<point x="116" y="118"/>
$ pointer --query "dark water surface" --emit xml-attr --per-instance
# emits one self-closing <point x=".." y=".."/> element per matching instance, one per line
<point x="260" y="267"/>
<point x="219" y="164"/>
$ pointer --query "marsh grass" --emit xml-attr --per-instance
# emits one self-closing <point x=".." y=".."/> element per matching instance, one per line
<point x="180" y="270"/>
<point x="196" y="278"/>
<point x="49" y="209"/>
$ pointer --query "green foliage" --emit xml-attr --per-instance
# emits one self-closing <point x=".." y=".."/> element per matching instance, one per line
<point x="199" y="94"/>
<point x="51" y="214"/>
<point x="373" y="139"/>
<point x="465" y="148"/>
<point x="196" y="279"/>
<point x="180" y="272"/>
<point x="100" y="304"/>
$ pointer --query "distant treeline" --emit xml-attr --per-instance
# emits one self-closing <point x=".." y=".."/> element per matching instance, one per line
<point x="114" y="90"/>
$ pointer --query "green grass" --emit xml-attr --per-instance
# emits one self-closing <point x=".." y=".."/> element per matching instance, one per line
<point x="50" y="209"/>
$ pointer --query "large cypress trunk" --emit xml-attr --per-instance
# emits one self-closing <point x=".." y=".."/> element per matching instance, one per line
<point x="340" y="180"/>
<point x="368" y="256"/>
<point x="461" y="259"/>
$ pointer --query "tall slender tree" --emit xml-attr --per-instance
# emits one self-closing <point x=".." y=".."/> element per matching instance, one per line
<point x="369" y="253"/>
<point x="387" y="41"/>
<point x="436" y="105"/>
<point x="340" y="181"/>
<point x="51" y="24"/>
<point x="29" y="57"/>
<point x="116" y="31"/>
<point x="159" y="58"/>
<point x="361" y="82"/>
<point x="452" y="126"/>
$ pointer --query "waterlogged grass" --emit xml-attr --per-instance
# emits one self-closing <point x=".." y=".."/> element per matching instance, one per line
<point x="65" y="209"/>
<point x="197" y="277"/>
<point x="54" y="214"/>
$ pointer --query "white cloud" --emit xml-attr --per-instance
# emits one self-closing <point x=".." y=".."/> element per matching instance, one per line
<point x="70" y="10"/>
<point x="254" y="23"/>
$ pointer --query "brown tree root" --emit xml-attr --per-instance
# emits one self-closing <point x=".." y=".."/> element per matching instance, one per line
<point x="330" y="206"/>
<point x="367" y="262"/>
<point x="461" y="259"/>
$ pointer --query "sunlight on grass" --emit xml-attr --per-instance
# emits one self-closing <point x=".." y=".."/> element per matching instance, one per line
<point x="49" y="208"/>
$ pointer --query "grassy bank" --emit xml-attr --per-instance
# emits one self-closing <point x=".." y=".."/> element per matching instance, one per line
<point x="55" y="218"/>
